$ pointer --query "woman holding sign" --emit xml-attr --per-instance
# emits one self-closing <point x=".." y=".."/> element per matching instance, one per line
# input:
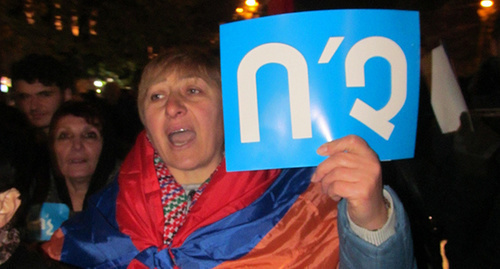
<point x="177" y="207"/>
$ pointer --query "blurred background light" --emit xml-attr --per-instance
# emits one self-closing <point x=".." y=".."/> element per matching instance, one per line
<point x="98" y="83"/>
<point x="487" y="3"/>
<point x="251" y="3"/>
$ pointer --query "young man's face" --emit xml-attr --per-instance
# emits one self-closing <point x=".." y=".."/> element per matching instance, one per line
<point x="38" y="102"/>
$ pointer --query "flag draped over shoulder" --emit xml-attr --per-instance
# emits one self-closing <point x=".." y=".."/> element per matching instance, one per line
<point x="268" y="218"/>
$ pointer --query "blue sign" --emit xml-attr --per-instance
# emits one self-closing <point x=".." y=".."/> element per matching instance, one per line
<point x="293" y="82"/>
<point x="52" y="215"/>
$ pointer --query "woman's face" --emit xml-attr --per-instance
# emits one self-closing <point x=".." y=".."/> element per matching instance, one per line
<point x="77" y="147"/>
<point x="183" y="116"/>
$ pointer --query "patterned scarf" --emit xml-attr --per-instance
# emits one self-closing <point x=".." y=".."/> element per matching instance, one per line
<point x="9" y="240"/>
<point x="174" y="199"/>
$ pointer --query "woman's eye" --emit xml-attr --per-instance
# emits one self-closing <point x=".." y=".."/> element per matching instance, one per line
<point x="193" y="91"/>
<point x="91" y="135"/>
<point x="63" y="136"/>
<point x="156" y="96"/>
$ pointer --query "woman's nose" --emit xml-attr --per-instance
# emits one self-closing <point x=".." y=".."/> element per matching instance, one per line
<point x="175" y="106"/>
<point x="77" y="143"/>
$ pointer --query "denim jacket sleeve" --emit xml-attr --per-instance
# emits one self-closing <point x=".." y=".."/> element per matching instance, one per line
<point x="396" y="252"/>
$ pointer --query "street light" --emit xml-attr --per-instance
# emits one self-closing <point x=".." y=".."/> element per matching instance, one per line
<point x="485" y="11"/>
<point x="251" y="3"/>
<point x="248" y="10"/>
<point x="487" y="8"/>
<point x="486" y="3"/>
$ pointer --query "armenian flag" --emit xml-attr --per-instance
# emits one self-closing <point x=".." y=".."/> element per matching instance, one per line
<point x="270" y="218"/>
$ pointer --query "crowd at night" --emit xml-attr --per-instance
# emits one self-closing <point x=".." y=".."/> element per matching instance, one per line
<point x="112" y="150"/>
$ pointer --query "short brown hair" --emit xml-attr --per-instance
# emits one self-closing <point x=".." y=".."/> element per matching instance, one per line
<point x="189" y="60"/>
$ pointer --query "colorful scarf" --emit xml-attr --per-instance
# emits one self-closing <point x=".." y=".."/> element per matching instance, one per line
<point x="9" y="240"/>
<point x="174" y="199"/>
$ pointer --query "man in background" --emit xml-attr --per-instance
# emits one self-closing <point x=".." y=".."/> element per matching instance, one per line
<point x="40" y="85"/>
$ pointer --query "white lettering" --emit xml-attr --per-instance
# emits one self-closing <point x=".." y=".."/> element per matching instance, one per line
<point x="360" y="53"/>
<point x="298" y="83"/>
<point x="330" y="48"/>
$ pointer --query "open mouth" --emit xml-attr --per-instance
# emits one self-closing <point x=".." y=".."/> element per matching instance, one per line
<point x="37" y="115"/>
<point x="181" y="137"/>
<point x="77" y="161"/>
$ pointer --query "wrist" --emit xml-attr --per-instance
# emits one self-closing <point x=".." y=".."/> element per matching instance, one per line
<point x="374" y="218"/>
<point x="378" y="236"/>
<point x="387" y="206"/>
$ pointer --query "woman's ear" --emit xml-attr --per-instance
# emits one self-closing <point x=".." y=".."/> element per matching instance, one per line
<point x="9" y="203"/>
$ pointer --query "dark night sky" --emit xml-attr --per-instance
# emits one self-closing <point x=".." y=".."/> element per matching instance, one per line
<point x="454" y="23"/>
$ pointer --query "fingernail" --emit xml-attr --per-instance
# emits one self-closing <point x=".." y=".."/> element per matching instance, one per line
<point x="321" y="150"/>
<point x="313" y="178"/>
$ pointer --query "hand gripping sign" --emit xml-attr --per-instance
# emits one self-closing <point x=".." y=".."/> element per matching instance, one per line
<point x="293" y="82"/>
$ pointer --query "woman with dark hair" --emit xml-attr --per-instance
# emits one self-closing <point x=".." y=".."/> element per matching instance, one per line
<point x="82" y="152"/>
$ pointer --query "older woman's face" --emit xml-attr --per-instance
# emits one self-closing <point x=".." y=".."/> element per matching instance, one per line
<point x="183" y="118"/>
<point x="77" y="147"/>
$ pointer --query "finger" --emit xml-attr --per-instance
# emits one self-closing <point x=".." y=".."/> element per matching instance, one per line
<point x="341" y="189"/>
<point x="351" y="143"/>
<point x="357" y="193"/>
<point x="337" y="160"/>
<point x="334" y="182"/>
<point x="329" y="164"/>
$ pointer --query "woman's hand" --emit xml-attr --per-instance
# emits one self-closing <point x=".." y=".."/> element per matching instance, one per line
<point x="353" y="172"/>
